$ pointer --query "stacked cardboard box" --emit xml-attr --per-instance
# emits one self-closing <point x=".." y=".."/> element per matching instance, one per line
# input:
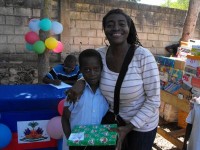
<point x="180" y="76"/>
<point x="191" y="76"/>
<point x="171" y="72"/>
<point x="191" y="80"/>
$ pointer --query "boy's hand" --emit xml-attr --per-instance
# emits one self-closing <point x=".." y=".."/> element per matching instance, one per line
<point x="65" y="122"/>
<point x="56" y="82"/>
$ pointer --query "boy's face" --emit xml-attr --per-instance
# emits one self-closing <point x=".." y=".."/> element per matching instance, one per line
<point x="69" y="66"/>
<point x="91" y="70"/>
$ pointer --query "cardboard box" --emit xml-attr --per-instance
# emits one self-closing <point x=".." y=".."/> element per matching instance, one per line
<point x="179" y="63"/>
<point x="173" y="62"/>
<point x="93" y="135"/>
<point x="195" y="50"/>
<point x="183" y="51"/>
<point x="165" y="61"/>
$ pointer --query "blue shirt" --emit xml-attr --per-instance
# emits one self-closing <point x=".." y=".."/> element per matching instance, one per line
<point x="58" y="72"/>
<point x="89" y="109"/>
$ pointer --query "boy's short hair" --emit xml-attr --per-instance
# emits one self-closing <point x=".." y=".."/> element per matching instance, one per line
<point x="69" y="59"/>
<point x="89" y="53"/>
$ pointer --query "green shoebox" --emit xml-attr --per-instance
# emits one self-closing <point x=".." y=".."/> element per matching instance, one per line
<point x="93" y="135"/>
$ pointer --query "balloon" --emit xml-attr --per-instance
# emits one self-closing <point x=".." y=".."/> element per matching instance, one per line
<point x="45" y="24"/>
<point x="31" y="37"/>
<point x="59" y="48"/>
<point x="56" y="28"/>
<point x="51" y="43"/>
<point x="39" y="47"/>
<point x="29" y="47"/>
<point x="5" y="136"/>
<point x="60" y="107"/>
<point x="54" y="128"/>
<point x="34" y="25"/>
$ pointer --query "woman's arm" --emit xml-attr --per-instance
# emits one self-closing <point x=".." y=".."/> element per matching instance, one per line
<point x="75" y="91"/>
<point x="151" y="85"/>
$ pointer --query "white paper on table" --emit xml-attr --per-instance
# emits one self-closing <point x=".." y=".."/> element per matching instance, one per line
<point x="76" y="136"/>
<point x="61" y="86"/>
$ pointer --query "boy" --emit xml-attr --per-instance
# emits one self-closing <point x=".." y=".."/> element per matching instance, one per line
<point x="91" y="106"/>
<point x="193" y="127"/>
<point x="67" y="72"/>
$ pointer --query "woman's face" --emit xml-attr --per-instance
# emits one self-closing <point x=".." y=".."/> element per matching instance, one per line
<point x="116" y="29"/>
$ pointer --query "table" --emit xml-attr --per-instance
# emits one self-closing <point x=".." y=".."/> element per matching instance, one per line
<point x="29" y="97"/>
<point x="181" y="104"/>
<point x="28" y="103"/>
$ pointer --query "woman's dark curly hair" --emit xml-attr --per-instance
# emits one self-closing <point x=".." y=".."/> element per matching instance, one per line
<point x="132" y="37"/>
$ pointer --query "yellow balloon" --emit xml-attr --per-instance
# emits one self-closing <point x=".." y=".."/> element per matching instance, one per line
<point x="51" y="43"/>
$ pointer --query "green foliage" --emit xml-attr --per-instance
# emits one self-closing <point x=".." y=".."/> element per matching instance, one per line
<point x="178" y="4"/>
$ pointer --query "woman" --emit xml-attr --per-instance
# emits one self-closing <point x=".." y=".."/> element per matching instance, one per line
<point x="140" y="90"/>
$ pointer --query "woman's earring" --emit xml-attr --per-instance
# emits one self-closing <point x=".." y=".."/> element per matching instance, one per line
<point x="105" y="41"/>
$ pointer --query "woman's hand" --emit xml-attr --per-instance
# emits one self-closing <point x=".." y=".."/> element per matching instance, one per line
<point x="75" y="91"/>
<point x="122" y="132"/>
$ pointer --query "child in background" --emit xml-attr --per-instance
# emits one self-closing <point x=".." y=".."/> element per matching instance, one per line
<point x="192" y="135"/>
<point x="67" y="72"/>
<point x="91" y="106"/>
<point x="172" y="49"/>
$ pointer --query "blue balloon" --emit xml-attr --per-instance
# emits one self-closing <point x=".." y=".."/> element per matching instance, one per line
<point x="5" y="135"/>
<point x="34" y="25"/>
<point x="45" y="24"/>
<point x="56" y="28"/>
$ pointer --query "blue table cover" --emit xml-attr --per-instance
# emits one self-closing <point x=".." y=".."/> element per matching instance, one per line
<point x="29" y="97"/>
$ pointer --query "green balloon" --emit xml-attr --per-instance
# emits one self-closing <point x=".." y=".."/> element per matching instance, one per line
<point x="39" y="47"/>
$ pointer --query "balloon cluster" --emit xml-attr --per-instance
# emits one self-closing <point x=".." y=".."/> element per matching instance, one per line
<point x="32" y="38"/>
<point x="54" y="126"/>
